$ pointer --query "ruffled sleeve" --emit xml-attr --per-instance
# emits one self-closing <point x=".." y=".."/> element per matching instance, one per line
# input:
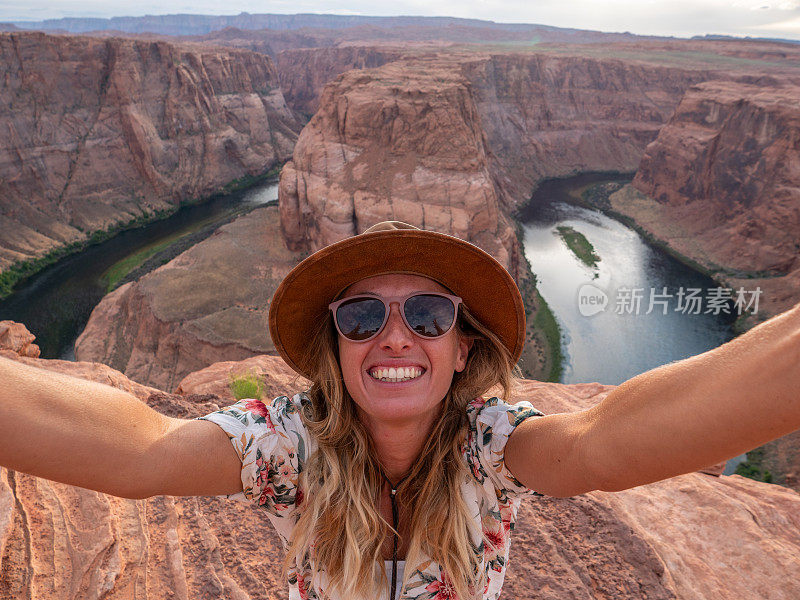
<point x="491" y="422"/>
<point x="273" y="444"/>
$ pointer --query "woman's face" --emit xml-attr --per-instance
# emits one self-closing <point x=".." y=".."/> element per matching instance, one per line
<point x="396" y="346"/>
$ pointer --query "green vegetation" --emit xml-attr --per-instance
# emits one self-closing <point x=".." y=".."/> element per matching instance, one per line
<point x="753" y="467"/>
<point x="246" y="385"/>
<point x="23" y="269"/>
<point x="545" y="321"/>
<point x="579" y="245"/>
<point x="119" y="270"/>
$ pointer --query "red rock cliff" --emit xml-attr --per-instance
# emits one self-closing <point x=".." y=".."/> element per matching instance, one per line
<point x="207" y="305"/>
<point x="403" y="142"/>
<point x="303" y="73"/>
<point x="721" y="186"/>
<point x="693" y="536"/>
<point x="98" y="132"/>
<point x="549" y="116"/>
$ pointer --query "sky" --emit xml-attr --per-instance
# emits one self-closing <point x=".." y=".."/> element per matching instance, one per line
<point x="682" y="18"/>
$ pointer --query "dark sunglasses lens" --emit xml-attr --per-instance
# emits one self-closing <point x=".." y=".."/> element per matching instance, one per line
<point x="430" y="316"/>
<point x="360" y="318"/>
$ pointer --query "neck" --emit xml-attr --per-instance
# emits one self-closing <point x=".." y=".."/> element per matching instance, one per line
<point x="398" y="443"/>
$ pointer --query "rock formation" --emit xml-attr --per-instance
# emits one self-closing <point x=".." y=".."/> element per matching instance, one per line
<point x="447" y="140"/>
<point x="555" y="111"/>
<point x="401" y="142"/>
<point x="694" y="536"/>
<point x="16" y="337"/>
<point x="524" y="117"/>
<point x="303" y="73"/>
<point x="100" y="132"/>
<point x="208" y="304"/>
<point x="721" y="186"/>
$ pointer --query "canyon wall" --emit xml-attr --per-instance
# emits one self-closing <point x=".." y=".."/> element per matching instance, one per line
<point x="721" y="186"/>
<point x="510" y="119"/>
<point x="692" y="536"/>
<point x="552" y="116"/>
<point x="448" y="140"/>
<point x="100" y="132"/>
<point x="303" y="73"/>
<point x="542" y="114"/>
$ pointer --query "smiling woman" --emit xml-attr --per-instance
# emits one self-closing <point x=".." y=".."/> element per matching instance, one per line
<point x="393" y="476"/>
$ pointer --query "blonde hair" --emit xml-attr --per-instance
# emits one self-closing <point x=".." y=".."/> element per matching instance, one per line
<point x="340" y="529"/>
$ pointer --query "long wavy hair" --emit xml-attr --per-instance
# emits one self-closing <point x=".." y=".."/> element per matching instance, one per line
<point x="340" y="529"/>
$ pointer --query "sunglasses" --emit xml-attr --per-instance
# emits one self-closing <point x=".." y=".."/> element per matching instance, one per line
<point x="361" y="318"/>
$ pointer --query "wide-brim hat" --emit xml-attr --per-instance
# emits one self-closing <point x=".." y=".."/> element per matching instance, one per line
<point x="301" y="301"/>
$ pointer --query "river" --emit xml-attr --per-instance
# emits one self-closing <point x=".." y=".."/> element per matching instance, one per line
<point x="620" y="340"/>
<point x="55" y="304"/>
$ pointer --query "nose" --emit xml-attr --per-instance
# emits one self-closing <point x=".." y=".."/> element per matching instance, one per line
<point x="396" y="337"/>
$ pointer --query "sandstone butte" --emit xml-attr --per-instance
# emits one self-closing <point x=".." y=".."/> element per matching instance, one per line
<point x="100" y="132"/>
<point x="697" y="536"/>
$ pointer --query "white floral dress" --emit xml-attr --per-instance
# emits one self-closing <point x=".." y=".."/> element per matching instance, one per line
<point x="273" y="445"/>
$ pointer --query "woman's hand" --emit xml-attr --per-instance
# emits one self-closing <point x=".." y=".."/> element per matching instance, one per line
<point x="671" y="420"/>
<point x="98" y="437"/>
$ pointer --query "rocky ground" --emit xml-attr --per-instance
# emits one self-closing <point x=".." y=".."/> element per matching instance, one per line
<point x="696" y="536"/>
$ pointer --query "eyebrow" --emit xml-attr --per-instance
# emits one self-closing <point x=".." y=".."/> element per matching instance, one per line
<point x="409" y="293"/>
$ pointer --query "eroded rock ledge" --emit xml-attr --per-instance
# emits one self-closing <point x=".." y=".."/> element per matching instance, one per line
<point x="693" y="536"/>
<point x="208" y="304"/>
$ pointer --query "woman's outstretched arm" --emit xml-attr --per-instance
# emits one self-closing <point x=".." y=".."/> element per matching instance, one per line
<point x="98" y="437"/>
<point x="671" y="420"/>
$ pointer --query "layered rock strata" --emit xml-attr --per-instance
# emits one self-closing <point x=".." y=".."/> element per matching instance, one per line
<point x="547" y="115"/>
<point x="101" y="132"/>
<point x="303" y="73"/>
<point x="692" y="536"/>
<point x="208" y="304"/>
<point x="560" y="109"/>
<point x="403" y="142"/>
<point x="519" y="118"/>
<point x="455" y="141"/>
<point x="721" y="186"/>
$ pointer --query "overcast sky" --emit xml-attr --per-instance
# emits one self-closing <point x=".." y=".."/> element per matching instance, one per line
<point x="770" y="18"/>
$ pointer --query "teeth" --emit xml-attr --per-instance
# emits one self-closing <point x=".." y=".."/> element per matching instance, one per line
<point x="396" y="374"/>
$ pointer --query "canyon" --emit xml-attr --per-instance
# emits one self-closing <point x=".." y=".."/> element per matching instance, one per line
<point x="452" y="140"/>
<point x="692" y="536"/>
<point x="208" y="304"/>
<point x="100" y="133"/>
<point x="103" y="130"/>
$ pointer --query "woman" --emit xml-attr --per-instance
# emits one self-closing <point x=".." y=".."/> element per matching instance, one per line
<point x="392" y="457"/>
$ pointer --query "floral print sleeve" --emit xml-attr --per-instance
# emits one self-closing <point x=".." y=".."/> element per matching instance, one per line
<point x="491" y="422"/>
<point x="273" y="445"/>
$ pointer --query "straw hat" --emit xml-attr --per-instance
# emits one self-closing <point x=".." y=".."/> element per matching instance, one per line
<point x="301" y="301"/>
